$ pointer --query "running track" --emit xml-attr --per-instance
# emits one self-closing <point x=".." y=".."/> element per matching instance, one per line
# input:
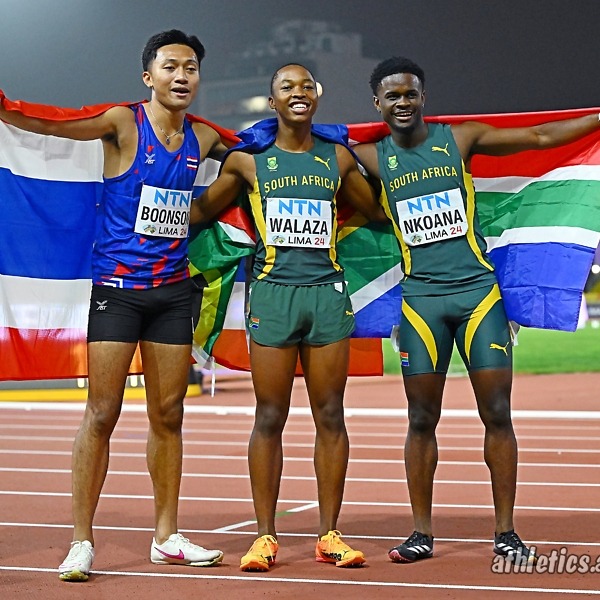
<point x="557" y="419"/>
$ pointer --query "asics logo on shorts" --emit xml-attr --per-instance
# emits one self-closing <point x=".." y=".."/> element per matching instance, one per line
<point x="101" y="305"/>
<point x="498" y="347"/>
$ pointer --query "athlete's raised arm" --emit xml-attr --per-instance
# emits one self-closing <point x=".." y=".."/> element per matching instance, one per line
<point x="479" y="138"/>
<point x="355" y="189"/>
<point x="238" y="172"/>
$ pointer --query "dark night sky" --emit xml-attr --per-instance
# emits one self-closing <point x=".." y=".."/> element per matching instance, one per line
<point x="479" y="56"/>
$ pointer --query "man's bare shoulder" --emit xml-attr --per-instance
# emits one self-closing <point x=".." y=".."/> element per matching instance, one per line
<point x="239" y="159"/>
<point x="205" y="132"/>
<point x="210" y="140"/>
<point x="367" y="155"/>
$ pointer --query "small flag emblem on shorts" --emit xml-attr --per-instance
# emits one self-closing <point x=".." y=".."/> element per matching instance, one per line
<point x="254" y="322"/>
<point x="404" y="359"/>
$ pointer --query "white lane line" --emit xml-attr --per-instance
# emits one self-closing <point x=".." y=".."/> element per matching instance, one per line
<point x="366" y="461"/>
<point x="244" y="476"/>
<point x="38" y="421"/>
<point x="115" y="439"/>
<point x="296" y="580"/>
<point x="226" y="531"/>
<point x="188" y="431"/>
<point x="39" y="494"/>
<point x="233" y="527"/>
<point x="305" y="411"/>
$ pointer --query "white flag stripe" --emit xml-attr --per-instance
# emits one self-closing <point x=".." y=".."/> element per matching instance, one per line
<point x="49" y="158"/>
<point x="236" y="234"/>
<point x="29" y="303"/>
<point x="540" y="235"/>
<point x="207" y="172"/>
<point x="376" y="288"/>
<point x="234" y="318"/>
<point x="512" y="185"/>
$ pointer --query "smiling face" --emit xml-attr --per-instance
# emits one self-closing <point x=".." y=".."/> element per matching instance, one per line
<point x="294" y="94"/>
<point x="174" y="76"/>
<point x="400" y="98"/>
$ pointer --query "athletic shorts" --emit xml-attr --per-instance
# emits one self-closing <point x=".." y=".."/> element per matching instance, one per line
<point x="162" y="314"/>
<point x="287" y="315"/>
<point x="475" y="320"/>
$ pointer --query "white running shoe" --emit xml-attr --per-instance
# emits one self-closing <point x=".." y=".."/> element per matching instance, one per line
<point x="178" y="550"/>
<point x="77" y="565"/>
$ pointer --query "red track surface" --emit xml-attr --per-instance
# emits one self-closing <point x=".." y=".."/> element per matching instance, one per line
<point x="558" y="498"/>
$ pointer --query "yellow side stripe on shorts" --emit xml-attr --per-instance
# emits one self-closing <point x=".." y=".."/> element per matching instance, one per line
<point x="423" y="330"/>
<point x="478" y="315"/>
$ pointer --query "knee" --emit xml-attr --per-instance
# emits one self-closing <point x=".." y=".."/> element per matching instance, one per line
<point x="101" y="419"/>
<point x="270" y="420"/>
<point x="421" y="421"/>
<point x="167" y="416"/>
<point x="330" y="416"/>
<point x="496" y="414"/>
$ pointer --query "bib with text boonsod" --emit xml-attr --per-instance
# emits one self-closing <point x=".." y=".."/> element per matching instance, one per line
<point x="298" y="222"/>
<point x="433" y="217"/>
<point x="163" y="213"/>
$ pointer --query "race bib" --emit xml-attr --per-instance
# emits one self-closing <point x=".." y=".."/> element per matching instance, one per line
<point x="298" y="222"/>
<point x="433" y="217"/>
<point x="163" y="213"/>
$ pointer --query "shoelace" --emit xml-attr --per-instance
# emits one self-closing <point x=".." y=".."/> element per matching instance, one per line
<point x="511" y="538"/>
<point x="185" y="542"/>
<point x="266" y="543"/>
<point x="77" y="553"/>
<point x="416" y="538"/>
<point x="336" y="543"/>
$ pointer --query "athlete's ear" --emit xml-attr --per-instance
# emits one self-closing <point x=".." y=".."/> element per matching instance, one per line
<point x="271" y="103"/>
<point x="376" y="104"/>
<point x="147" y="79"/>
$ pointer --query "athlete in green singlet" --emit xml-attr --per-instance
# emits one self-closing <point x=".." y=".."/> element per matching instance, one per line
<point x="299" y="305"/>
<point x="450" y="294"/>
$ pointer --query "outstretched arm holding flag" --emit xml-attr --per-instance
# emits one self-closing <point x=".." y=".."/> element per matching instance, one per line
<point x="450" y="288"/>
<point x="141" y="289"/>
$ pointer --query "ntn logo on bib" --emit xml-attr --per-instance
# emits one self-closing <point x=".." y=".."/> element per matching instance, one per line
<point x="298" y="222"/>
<point x="163" y="213"/>
<point x="432" y="217"/>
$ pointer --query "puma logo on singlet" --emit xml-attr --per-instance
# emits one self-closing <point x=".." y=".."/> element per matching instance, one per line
<point x="438" y="149"/>
<point x="324" y="162"/>
<point x="498" y="347"/>
<point x="101" y="305"/>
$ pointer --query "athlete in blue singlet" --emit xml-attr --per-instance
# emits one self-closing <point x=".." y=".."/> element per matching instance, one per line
<point x="143" y="217"/>
<point x="141" y="288"/>
<point x="450" y="291"/>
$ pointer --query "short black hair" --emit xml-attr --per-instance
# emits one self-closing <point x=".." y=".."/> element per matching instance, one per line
<point x="293" y="64"/>
<point x="391" y="66"/>
<point x="166" y="38"/>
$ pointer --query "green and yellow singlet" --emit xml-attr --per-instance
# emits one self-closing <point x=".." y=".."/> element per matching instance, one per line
<point x="429" y="196"/>
<point x="294" y="208"/>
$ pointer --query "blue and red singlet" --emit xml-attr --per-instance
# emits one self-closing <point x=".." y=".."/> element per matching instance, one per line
<point x="143" y="215"/>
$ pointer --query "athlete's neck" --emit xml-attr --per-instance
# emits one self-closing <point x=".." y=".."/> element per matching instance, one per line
<point x="410" y="137"/>
<point x="294" y="138"/>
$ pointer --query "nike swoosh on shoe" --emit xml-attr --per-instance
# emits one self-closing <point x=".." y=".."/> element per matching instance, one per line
<point x="180" y="556"/>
